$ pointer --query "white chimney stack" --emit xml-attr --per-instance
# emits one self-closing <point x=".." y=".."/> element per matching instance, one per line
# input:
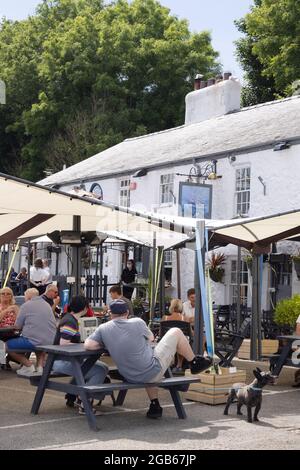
<point x="213" y="101"/>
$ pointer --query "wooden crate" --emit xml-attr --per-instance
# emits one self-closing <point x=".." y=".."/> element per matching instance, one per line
<point x="213" y="388"/>
<point x="268" y="347"/>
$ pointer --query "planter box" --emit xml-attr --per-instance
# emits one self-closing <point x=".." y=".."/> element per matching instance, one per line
<point x="213" y="389"/>
<point x="268" y="348"/>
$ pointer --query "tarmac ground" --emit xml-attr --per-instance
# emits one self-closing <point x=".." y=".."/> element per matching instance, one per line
<point x="127" y="428"/>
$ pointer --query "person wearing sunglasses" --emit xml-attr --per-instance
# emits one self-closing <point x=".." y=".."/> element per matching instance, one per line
<point x="52" y="298"/>
<point x="8" y="308"/>
<point x="8" y="315"/>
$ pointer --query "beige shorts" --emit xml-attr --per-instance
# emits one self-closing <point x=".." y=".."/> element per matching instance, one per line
<point x="165" y="352"/>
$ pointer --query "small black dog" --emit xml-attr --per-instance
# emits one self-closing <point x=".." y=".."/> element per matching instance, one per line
<point x="249" y="395"/>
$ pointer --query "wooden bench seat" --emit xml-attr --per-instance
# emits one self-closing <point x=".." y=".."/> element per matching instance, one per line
<point x="173" y="384"/>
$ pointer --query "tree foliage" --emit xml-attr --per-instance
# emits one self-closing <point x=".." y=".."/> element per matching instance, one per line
<point x="270" y="50"/>
<point x="82" y="76"/>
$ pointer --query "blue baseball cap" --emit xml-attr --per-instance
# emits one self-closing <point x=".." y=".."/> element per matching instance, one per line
<point x="118" y="307"/>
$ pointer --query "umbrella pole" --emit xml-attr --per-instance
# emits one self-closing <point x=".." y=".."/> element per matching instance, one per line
<point x="260" y="279"/>
<point x="238" y="301"/>
<point x="76" y="256"/>
<point x="28" y="263"/>
<point x="198" y="344"/>
<point x="11" y="263"/>
<point x="255" y="307"/>
<point x="152" y="300"/>
<point x="161" y="282"/>
<point x="178" y="273"/>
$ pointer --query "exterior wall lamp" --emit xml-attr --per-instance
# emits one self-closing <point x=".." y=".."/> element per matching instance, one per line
<point x="140" y="173"/>
<point x="281" y="146"/>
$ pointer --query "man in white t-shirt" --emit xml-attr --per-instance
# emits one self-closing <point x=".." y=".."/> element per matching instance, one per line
<point x="189" y="307"/>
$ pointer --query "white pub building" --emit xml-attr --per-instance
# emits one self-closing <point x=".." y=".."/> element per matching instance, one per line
<point x="224" y="162"/>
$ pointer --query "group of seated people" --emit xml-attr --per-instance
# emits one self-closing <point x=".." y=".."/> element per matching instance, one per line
<point x="129" y="341"/>
<point x="40" y="277"/>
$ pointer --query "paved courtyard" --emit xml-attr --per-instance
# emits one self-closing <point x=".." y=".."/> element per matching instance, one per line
<point x="57" y="427"/>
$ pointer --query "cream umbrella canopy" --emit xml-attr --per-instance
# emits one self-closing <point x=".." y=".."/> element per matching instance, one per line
<point x="29" y="210"/>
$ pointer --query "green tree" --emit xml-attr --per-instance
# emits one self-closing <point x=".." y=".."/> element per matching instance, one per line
<point x="82" y="76"/>
<point x="270" y="50"/>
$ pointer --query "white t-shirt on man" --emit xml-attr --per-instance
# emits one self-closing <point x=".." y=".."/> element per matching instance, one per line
<point x="298" y="319"/>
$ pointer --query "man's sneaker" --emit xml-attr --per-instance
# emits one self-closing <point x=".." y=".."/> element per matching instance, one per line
<point x="81" y="411"/>
<point x="26" y="371"/>
<point x="155" y="411"/>
<point x="199" y="364"/>
<point x="70" y="403"/>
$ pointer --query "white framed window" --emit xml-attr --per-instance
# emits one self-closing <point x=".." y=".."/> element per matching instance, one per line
<point x="125" y="193"/>
<point x="242" y="190"/>
<point x="166" y="189"/>
<point x="168" y="259"/>
<point x="234" y="281"/>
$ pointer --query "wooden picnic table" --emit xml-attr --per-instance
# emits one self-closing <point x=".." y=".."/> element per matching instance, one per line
<point x="291" y="342"/>
<point x="82" y="361"/>
<point x="9" y="332"/>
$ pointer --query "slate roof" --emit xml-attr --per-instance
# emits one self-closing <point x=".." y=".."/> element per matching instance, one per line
<point x="249" y="128"/>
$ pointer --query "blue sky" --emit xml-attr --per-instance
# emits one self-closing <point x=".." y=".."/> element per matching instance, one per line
<point x="216" y="16"/>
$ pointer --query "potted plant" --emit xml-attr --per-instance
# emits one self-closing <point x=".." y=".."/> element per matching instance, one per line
<point x="137" y="305"/>
<point x="287" y="311"/>
<point x="215" y="262"/>
<point x="296" y="260"/>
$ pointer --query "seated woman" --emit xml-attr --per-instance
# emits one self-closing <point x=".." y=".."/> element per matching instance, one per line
<point x="175" y="309"/>
<point x="8" y="308"/>
<point x="68" y="332"/>
<point x="176" y="313"/>
<point x="8" y="315"/>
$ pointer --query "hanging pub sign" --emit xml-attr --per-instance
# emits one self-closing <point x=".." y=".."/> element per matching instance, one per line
<point x="195" y="200"/>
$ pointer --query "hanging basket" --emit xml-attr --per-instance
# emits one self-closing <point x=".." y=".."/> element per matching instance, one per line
<point x="216" y="275"/>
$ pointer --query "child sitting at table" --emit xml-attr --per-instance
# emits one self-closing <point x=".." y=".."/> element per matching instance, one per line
<point x="68" y="332"/>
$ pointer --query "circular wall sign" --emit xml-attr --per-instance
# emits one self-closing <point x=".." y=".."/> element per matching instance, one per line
<point x="97" y="191"/>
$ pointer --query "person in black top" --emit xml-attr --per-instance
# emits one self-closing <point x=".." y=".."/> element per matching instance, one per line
<point x="52" y="298"/>
<point x="128" y="277"/>
<point x="68" y="332"/>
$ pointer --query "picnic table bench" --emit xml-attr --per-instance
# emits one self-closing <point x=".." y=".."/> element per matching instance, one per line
<point x="82" y="361"/>
<point x="283" y="359"/>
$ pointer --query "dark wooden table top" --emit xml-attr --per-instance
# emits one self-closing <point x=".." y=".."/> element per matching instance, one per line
<point x="69" y="350"/>
<point x="290" y="337"/>
<point x="7" y="329"/>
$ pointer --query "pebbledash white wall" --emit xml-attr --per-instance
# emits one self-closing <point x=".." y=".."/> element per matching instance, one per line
<point x="279" y="170"/>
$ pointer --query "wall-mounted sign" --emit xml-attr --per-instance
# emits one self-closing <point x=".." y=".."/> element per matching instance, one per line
<point x="195" y="200"/>
<point x="97" y="191"/>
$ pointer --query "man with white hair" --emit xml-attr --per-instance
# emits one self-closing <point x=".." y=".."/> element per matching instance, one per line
<point x="30" y="293"/>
